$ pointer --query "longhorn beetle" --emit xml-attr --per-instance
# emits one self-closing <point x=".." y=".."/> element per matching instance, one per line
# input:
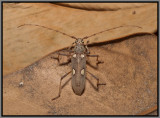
<point x="78" y="60"/>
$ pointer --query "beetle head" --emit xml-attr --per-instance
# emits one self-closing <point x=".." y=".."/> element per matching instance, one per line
<point x="79" y="41"/>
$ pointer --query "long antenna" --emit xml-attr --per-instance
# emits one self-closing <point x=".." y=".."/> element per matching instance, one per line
<point x="49" y="29"/>
<point x="86" y="37"/>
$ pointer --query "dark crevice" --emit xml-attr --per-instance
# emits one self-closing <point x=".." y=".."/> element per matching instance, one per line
<point x="96" y="9"/>
<point x="118" y="40"/>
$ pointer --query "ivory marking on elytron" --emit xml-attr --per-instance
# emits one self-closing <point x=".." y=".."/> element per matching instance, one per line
<point x="82" y="55"/>
<point x="82" y="72"/>
<point x="74" y="72"/>
<point x="74" y="55"/>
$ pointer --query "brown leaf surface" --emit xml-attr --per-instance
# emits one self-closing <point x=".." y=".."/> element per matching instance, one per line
<point x="104" y="6"/>
<point x="23" y="46"/>
<point x="129" y="71"/>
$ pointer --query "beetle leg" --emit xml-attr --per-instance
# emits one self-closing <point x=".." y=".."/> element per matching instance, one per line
<point x="69" y="59"/>
<point x="60" y="87"/>
<point x="66" y="83"/>
<point x="98" y="62"/>
<point x="70" y="51"/>
<point x="88" y="63"/>
<point x="88" y="52"/>
<point x="86" y="46"/>
<point x="71" y="46"/>
<point x="64" y="63"/>
<point x="92" y="84"/>
<point x="96" y="79"/>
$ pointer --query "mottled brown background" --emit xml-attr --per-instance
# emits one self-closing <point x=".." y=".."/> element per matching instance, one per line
<point x="129" y="55"/>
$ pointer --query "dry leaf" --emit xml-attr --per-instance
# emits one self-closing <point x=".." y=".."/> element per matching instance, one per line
<point x="129" y="71"/>
<point x="23" y="46"/>
<point x="104" y="6"/>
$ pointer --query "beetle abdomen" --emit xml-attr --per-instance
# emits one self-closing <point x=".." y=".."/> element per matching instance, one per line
<point x="78" y="85"/>
<point x="78" y="90"/>
<point x="78" y="73"/>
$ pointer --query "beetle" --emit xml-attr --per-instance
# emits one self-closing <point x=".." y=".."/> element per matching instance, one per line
<point x="78" y="57"/>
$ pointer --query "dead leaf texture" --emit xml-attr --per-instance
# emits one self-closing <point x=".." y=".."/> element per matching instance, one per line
<point x="129" y="71"/>
<point x="24" y="46"/>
